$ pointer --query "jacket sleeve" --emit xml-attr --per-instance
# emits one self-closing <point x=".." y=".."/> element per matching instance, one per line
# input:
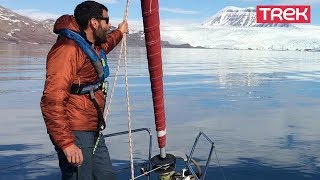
<point x="112" y="40"/>
<point x="60" y="67"/>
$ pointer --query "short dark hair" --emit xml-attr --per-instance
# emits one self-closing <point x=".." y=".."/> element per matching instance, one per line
<point x="87" y="10"/>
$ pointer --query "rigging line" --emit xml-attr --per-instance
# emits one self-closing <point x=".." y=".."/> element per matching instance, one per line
<point x="128" y="109"/>
<point x="27" y="162"/>
<point x="40" y="158"/>
<point x="148" y="172"/>
<point x="136" y="165"/>
<point x="219" y="163"/>
<point x="125" y="18"/>
<point x="107" y="110"/>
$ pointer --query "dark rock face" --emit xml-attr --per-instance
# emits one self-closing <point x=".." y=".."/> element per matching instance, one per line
<point x="15" y="28"/>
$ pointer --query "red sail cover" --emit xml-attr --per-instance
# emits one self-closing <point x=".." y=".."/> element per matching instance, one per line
<point x="151" y="22"/>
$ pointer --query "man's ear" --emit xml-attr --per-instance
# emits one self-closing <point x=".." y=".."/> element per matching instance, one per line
<point x="94" y="23"/>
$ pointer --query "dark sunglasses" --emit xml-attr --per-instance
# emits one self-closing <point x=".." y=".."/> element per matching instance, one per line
<point x="104" y="18"/>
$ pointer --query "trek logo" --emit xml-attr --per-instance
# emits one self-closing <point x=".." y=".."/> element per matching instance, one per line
<point x="283" y="14"/>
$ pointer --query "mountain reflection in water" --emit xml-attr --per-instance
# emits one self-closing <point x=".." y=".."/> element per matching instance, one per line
<point x="259" y="107"/>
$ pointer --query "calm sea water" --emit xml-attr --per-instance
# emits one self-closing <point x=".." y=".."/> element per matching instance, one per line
<point x="259" y="107"/>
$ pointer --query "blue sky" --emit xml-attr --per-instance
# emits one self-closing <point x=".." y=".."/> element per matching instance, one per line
<point x="184" y="10"/>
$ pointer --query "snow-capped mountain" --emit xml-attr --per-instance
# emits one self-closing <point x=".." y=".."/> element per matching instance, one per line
<point x="230" y="28"/>
<point x="238" y="17"/>
<point x="16" y="28"/>
<point x="236" y="28"/>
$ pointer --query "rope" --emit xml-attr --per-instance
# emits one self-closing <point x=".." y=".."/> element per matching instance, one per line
<point x="218" y="161"/>
<point x="128" y="109"/>
<point x="123" y="49"/>
<point x="4" y="169"/>
<point x="144" y="174"/>
<point x="107" y="110"/>
<point x="124" y="42"/>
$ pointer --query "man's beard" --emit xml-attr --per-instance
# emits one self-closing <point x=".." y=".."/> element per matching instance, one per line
<point x="100" y="35"/>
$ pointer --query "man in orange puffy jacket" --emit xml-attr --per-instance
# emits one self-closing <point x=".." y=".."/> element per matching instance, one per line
<point x="72" y="119"/>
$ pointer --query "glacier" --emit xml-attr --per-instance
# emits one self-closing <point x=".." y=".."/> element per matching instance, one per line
<point x="236" y="28"/>
<point x="297" y="38"/>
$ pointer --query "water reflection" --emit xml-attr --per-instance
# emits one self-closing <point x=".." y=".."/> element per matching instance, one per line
<point x="260" y="108"/>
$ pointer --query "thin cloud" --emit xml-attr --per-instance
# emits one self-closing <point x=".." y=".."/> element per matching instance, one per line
<point x="246" y="0"/>
<point x="300" y="1"/>
<point x="107" y="1"/>
<point x="178" y="10"/>
<point x="36" y="14"/>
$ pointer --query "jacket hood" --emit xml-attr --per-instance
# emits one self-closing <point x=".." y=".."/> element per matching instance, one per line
<point x="66" y="22"/>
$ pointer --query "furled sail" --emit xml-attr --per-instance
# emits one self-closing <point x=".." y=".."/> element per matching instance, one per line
<point x="151" y="22"/>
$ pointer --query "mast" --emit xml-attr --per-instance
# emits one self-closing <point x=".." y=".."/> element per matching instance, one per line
<point x="163" y="163"/>
<point x="151" y="22"/>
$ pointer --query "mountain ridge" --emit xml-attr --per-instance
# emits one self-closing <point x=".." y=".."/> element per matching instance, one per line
<point x="16" y="28"/>
<point x="238" y="17"/>
<point x="227" y="32"/>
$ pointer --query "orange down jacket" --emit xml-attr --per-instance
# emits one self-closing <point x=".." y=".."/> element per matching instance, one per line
<point x="67" y="64"/>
